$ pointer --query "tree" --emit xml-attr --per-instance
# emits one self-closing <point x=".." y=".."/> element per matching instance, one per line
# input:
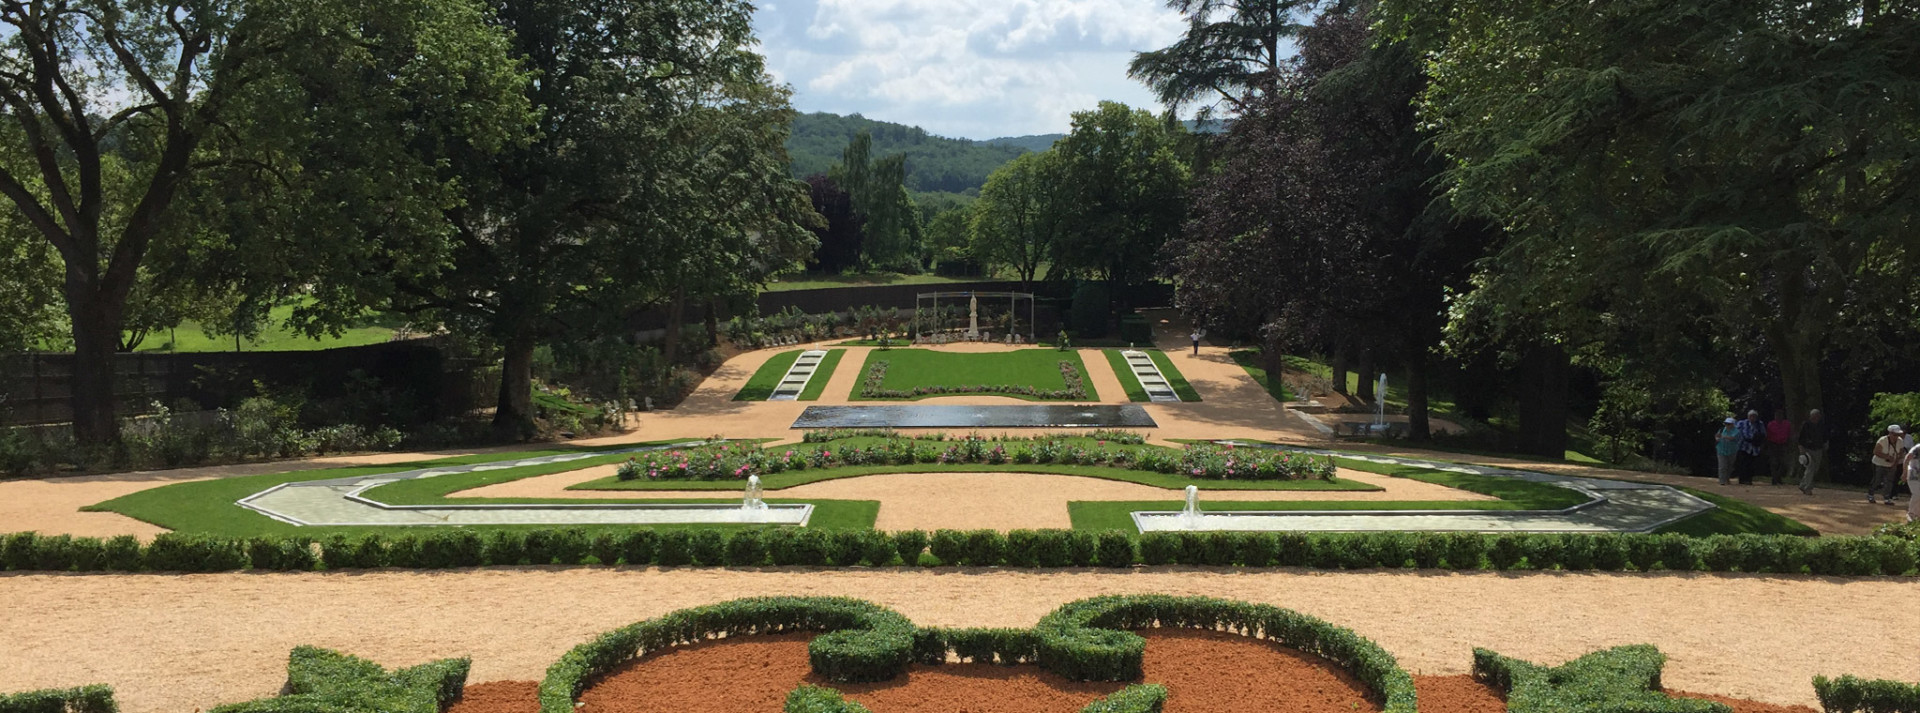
<point x="1233" y="51"/>
<point x="839" y="235"/>
<point x="1020" y="214"/>
<point x="1756" y="159"/>
<point x="118" y="110"/>
<point x="1125" y="192"/>
<point x="948" y="241"/>
<point x="890" y="231"/>
<point x="620" y="199"/>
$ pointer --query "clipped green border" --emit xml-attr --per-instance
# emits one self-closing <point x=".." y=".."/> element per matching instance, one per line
<point x="767" y="378"/>
<point x="1128" y="382"/>
<point x="1070" y="355"/>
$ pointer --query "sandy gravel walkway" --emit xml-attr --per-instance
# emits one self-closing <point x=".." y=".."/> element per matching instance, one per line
<point x="177" y="643"/>
<point x="998" y="501"/>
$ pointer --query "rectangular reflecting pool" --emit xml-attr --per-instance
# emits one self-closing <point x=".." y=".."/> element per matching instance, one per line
<point x="918" y="416"/>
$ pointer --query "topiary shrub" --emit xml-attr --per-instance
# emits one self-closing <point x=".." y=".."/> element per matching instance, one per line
<point x="177" y="552"/>
<point x="1113" y="548"/>
<point x="84" y="699"/>
<point x="674" y="548"/>
<point x="815" y="699"/>
<point x="910" y="543"/>
<point x="1849" y="694"/>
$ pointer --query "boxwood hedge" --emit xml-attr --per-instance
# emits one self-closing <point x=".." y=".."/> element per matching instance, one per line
<point x="1848" y="694"/>
<point x="454" y="547"/>
<point x="84" y="699"/>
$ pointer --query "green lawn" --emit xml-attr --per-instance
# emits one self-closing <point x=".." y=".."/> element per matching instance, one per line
<point x="1174" y="378"/>
<point x="189" y="337"/>
<point x="816" y="282"/>
<point x="822" y="374"/>
<point x="1035" y="367"/>
<point x="208" y="506"/>
<point x="767" y="377"/>
<point x="1249" y="359"/>
<point x="1734" y="517"/>
<point x="1128" y="382"/>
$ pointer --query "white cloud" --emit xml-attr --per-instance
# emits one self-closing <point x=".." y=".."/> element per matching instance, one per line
<point x="971" y="68"/>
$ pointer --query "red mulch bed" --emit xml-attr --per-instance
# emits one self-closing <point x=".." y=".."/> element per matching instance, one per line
<point x="1202" y="670"/>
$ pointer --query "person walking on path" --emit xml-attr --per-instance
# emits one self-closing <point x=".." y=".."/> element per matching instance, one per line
<point x="1886" y="455"/>
<point x="1725" y="447"/>
<point x="1913" y="484"/>
<point x="1779" y="447"/>
<point x="1753" y="435"/>
<point x="1195" y="336"/>
<point x="1813" y="448"/>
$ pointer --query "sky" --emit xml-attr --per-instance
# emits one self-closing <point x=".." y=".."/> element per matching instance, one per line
<point x="976" y="69"/>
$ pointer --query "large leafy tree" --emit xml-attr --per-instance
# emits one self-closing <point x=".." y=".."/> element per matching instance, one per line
<point x="1021" y="213"/>
<point x="654" y="160"/>
<point x="1755" y="159"/>
<point x="119" y="112"/>
<point x="1125" y="192"/>
<point x="890" y="222"/>
<point x="1233" y="52"/>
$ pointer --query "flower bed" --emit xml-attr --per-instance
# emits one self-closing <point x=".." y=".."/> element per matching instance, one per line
<point x="1199" y="461"/>
<point x="872" y="387"/>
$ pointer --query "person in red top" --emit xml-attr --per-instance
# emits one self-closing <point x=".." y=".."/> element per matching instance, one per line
<point x="1779" y="446"/>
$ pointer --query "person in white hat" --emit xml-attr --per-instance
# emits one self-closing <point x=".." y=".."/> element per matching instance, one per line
<point x="1726" y="445"/>
<point x="1886" y="455"/>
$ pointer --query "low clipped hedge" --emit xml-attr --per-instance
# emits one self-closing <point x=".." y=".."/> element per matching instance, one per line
<point x="1138" y="698"/>
<point x="1849" y="694"/>
<point x="452" y="547"/>
<point x="1091" y="639"/>
<point x="1624" y="678"/>
<point x="863" y="641"/>
<point x="84" y="699"/>
<point x="323" y="681"/>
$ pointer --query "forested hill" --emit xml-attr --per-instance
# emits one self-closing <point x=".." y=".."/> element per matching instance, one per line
<point x="934" y="163"/>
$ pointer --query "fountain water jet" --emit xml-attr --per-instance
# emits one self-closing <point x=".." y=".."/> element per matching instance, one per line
<point x="1190" y="517"/>
<point x="752" y="507"/>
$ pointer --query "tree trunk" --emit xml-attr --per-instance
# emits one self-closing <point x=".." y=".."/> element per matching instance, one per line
<point x="96" y="335"/>
<point x="1367" y="375"/>
<point x="713" y="322"/>
<point x="1276" y="366"/>
<point x="676" y="316"/>
<point x="1797" y="337"/>
<point x="1417" y="426"/>
<point x="1339" y="372"/>
<point x="513" y="418"/>
<point x="1543" y="401"/>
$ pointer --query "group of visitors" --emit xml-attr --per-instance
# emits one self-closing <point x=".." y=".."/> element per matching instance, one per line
<point x="1746" y="447"/>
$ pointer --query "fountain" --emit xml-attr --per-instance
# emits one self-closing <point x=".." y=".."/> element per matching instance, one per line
<point x="752" y="507"/>
<point x="1190" y="517"/>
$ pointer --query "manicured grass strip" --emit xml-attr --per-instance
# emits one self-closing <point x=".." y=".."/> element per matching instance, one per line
<point x="1249" y="359"/>
<point x="1174" y="378"/>
<point x="1035" y="367"/>
<point x="207" y="507"/>
<point x="1118" y="514"/>
<point x="767" y="377"/>
<point x="790" y="479"/>
<point x="1735" y="516"/>
<point x="1128" y="382"/>
<point x="1527" y="494"/>
<point x="822" y="374"/>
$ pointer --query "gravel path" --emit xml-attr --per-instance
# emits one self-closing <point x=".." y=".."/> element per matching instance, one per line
<point x="176" y="643"/>
<point x="998" y="501"/>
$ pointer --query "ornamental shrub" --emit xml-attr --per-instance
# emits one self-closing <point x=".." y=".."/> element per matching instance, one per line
<point x="910" y="543"/>
<point x="84" y="699"/>
<point x="122" y="553"/>
<point x="674" y="548"/>
<point x="708" y="548"/>
<point x="985" y="548"/>
<point x="1113" y="548"/>
<point x="1849" y="694"/>
<point x="949" y="546"/>
<point x="285" y="554"/>
<point x="797" y="547"/>
<point x="1159" y="548"/>
<point x="1137" y="698"/>
<point x="809" y="698"/>
<point x="185" y="552"/>
<point x="637" y="547"/>
<point x="443" y="548"/>
<point x="747" y="548"/>
<point x="1256" y="549"/>
<point x="499" y="547"/>
<point x="1023" y="548"/>
<point x="1082" y="548"/>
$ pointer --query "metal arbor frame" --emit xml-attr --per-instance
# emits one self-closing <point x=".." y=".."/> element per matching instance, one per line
<point x="1012" y="299"/>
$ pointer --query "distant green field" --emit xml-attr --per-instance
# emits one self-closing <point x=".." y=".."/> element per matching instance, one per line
<point x="189" y="337"/>
<point x="1037" y="367"/>
<point x="816" y="282"/>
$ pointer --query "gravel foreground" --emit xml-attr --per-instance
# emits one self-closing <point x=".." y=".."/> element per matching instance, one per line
<point x="188" y="642"/>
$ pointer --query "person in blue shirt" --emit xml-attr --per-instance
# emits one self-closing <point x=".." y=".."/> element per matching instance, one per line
<point x="1725" y="447"/>
<point x="1753" y="437"/>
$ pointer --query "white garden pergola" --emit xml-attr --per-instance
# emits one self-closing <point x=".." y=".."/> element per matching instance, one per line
<point x="928" y="318"/>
